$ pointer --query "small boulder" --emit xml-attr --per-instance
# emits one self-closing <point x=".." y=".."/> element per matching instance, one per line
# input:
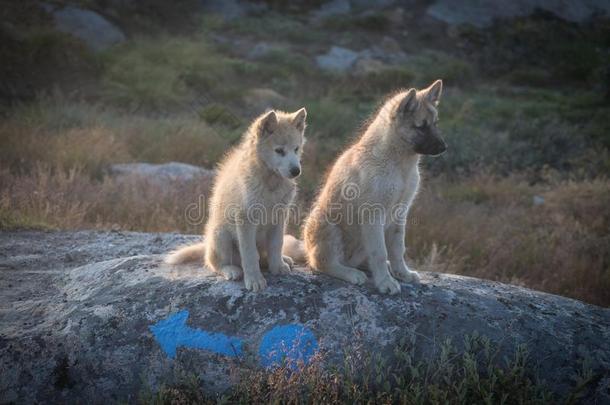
<point x="161" y="174"/>
<point x="538" y="200"/>
<point x="231" y="9"/>
<point x="337" y="59"/>
<point x="262" y="49"/>
<point x="482" y="13"/>
<point x="332" y="8"/>
<point x="90" y="27"/>
<point x="372" y="4"/>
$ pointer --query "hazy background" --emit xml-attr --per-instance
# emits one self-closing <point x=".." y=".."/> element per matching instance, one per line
<point x="521" y="196"/>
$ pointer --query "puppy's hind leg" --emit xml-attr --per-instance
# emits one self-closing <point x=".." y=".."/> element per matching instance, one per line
<point x="277" y="262"/>
<point x="345" y="273"/>
<point x="325" y="254"/>
<point x="224" y="258"/>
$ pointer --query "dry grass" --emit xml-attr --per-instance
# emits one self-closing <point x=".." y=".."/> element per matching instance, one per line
<point x="484" y="227"/>
<point x="447" y="376"/>
<point x="490" y="228"/>
<point x="56" y="132"/>
<point x="54" y="156"/>
<point x="56" y="198"/>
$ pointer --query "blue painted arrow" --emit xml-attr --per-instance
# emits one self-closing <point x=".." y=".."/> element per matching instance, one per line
<point x="292" y="343"/>
<point x="173" y="332"/>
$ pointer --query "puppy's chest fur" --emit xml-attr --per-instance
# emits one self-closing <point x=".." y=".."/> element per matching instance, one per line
<point x="395" y="183"/>
<point x="271" y="194"/>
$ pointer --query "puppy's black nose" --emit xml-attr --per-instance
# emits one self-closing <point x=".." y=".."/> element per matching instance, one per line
<point x="295" y="171"/>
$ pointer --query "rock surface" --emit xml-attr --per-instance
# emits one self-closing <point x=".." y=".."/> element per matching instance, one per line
<point x="231" y="9"/>
<point x="162" y="174"/>
<point x="90" y="27"/>
<point x="481" y="13"/>
<point x="84" y="316"/>
<point x="337" y="59"/>
<point x="332" y="8"/>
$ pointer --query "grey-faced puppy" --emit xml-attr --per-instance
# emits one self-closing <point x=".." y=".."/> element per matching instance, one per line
<point x="358" y="220"/>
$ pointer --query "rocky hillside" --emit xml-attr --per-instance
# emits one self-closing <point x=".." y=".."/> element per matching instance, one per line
<point x="60" y="39"/>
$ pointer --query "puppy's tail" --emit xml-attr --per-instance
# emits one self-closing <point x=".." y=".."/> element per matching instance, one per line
<point x="186" y="254"/>
<point x="294" y="248"/>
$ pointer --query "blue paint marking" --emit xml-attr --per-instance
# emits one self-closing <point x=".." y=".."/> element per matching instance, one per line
<point x="290" y="343"/>
<point x="173" y="332"/>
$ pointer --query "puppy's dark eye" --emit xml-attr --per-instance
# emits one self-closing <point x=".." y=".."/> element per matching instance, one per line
<point x="280" y="151"/>
<point x="296" y="150"/>
<point x="421" y="126"/>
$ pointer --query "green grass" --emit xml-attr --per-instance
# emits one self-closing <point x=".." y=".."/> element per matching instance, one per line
<point x="502" y="127"/>
<point x="59" y="132"/>
<point x="166" y="72"/>
<point x="431" y="65"/>
<point x="273" y="27"/>
<point x="543" y="51"/>
<point x="11" y="221"/>
<point x="515" y="131"/>
<point x="371" y="21"/>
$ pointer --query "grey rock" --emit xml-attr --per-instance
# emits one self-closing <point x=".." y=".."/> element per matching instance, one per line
<point x="340" y="59"/>
<point x="77" y="310"/>
<point x="538" y="200"/>
<point x="90" y="27"/>
<point x="379" y="52"/>
<point x="337" y="59"/>
<point x="481" y="13"/>
<point x="373" y="4"/>
<point x="262" y="49"/>
<point x="163" y="173"/>
<point x="231" y="9"/>
<point x="332" y="8"/>
<point x="259" y="50"/>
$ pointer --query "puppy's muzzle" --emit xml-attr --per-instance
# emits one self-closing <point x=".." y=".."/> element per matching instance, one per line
<point x="295" y="171"/>
<point x="429" y="143"/>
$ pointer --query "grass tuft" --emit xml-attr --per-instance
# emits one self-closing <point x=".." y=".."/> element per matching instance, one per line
<point x="473" y="374"/>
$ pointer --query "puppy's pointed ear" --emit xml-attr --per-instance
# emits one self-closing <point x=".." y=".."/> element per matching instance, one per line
<point x="408" y="104"/>
<point x="268" y="124"/>
<point x="433" y="93"/>
<point x="299" y="119"/>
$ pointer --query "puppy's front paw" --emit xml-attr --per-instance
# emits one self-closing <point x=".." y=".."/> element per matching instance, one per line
<point x="356" y="277"/>
<point x="255" y="282"/>
<point x="230" y="272"/>
<point x="387" y="285"/>
<point x="288" y="260"/>
<point x="282" y="268"/>
<point x="403" y="273"/>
